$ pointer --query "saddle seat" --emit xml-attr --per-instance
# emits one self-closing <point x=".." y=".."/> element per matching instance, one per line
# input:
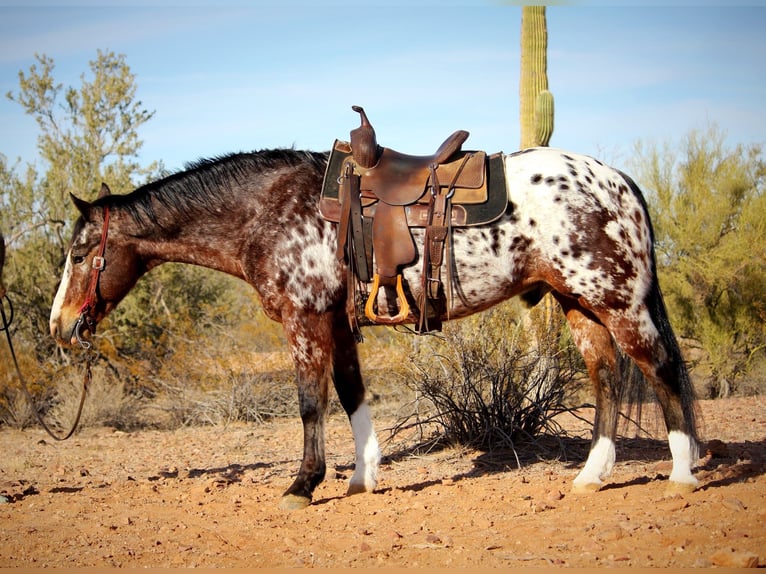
<point x="377" y="194"/>
<point x="400" y="179"/>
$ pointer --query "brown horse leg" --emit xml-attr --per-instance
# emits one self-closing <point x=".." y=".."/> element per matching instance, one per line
<point x="309" y="337"/>
<point x="598" y="351"/>
<point x="351" y="392"/>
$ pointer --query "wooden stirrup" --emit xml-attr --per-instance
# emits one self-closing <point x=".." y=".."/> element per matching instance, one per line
<point x="404" y="307"/>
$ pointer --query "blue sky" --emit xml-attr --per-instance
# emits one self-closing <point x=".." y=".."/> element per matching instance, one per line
<point x="236" y="76"/>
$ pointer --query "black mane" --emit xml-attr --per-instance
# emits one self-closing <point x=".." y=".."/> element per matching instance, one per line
<point x="208" y="184"/>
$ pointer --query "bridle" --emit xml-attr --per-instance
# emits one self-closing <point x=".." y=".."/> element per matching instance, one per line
<point x="86" y="319"/>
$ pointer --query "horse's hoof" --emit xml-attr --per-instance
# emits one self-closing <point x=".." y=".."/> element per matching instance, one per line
<point x="681" y="488"/>
<point x="294" y="502"/>
<point x="586" y="487"/>
<point x="356" y="488"/>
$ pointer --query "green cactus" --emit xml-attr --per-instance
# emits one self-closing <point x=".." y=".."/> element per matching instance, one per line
<point x="536" y="102"/>
<point x="536" y="122"/>
<point x="543" y="118"/>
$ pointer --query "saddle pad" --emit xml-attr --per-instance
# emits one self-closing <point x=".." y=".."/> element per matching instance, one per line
<point x="491" y="208"/>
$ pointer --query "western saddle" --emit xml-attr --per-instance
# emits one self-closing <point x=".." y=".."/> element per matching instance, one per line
<point x="377" y="195"/>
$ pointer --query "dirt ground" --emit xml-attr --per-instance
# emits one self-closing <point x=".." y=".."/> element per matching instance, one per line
<point x="209" y="497"/>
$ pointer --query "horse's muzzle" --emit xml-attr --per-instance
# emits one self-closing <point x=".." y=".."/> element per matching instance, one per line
<point x="65" y="336"/>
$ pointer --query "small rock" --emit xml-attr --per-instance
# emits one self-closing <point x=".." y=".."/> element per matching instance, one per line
<point x="433" y="539"/>
<point x="732" y="559"/>
<point x="611" y="534"/>
<point x="733" y="504"/>
<point x="554" y="495"/>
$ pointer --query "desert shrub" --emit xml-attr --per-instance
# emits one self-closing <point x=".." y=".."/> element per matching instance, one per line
<point x="107" y="402"/>
<point x="481" y="385"/>
<point x="243" y="397"/>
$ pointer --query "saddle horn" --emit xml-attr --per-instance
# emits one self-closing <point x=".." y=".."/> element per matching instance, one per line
<point x="364" y="144"/>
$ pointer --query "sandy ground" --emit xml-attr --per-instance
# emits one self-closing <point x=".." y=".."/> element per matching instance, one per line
<point x="209" y="497"/>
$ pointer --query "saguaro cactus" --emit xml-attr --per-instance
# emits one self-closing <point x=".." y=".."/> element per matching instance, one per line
<point x="536" y="121"/>
<point x="536" y="102"/>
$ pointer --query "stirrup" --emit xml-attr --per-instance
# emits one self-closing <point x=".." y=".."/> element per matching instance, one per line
<point x="404" y="307"/>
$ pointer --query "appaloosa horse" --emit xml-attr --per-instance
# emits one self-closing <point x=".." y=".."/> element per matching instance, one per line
<point x="573" y="227"/>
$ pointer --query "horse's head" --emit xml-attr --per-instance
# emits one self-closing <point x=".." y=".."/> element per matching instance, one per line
<point x="101" y="267"/>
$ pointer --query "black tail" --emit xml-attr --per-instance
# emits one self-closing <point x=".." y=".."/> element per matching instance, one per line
<point x="680" y="381"/>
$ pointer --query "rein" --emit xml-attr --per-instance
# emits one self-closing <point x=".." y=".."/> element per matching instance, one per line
<point x="86" y="319"/>
<point x="86" y="380"/>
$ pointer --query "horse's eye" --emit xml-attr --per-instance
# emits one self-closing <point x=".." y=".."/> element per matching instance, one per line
<point x="77" y="259"/>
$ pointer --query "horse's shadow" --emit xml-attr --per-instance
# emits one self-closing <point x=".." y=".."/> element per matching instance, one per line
<point x="230" y="473"/>
<point x="739" y="461"/>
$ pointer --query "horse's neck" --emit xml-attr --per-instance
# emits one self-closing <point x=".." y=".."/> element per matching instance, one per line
<point x="207" y="242"/>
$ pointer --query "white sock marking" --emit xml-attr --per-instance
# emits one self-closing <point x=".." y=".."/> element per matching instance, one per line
<point x="599" y="464"/>
<point x="685" y="455"/>
<point x="365" y="476"/>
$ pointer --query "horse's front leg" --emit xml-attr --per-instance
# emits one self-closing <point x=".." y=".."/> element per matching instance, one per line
<point x="309" y="336"/>
<point x="350" y="388"/>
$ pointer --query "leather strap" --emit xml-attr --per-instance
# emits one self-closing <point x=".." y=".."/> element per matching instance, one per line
<point x="97" y="266"/>
<point x="358" y="250"/>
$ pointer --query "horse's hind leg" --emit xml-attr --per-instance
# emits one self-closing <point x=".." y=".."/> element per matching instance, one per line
<point x="350" y="389"/>
<point x="649" y="341"/>
<point x="644" y="334"/>
<point x="598" y="351"/>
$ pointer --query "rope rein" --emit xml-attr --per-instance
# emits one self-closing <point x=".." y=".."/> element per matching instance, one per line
<point x="85" y="320"/>
<point x="25" y="388"/>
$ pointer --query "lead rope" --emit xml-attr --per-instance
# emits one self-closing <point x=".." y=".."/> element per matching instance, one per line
<point x="85" y="320"/>
<point x="86" y="379"/>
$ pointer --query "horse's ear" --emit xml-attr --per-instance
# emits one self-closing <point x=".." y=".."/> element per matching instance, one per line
<point x="82" y="206"/>
<point x="104" y="191"/>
